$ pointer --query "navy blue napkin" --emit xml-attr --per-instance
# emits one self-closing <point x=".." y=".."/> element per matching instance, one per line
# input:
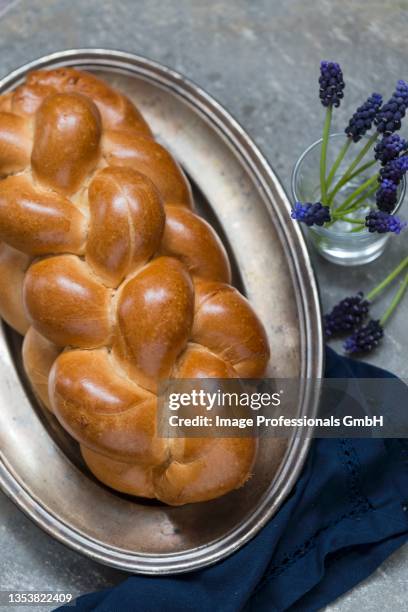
<point x="346" y="514"/>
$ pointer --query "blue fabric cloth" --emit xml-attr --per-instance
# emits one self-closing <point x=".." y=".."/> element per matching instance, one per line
<point x="346" y="514"/>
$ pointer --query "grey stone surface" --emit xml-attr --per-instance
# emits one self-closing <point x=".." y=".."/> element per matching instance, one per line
<point x="31" y="560"/>
<point x="260" y="59"/>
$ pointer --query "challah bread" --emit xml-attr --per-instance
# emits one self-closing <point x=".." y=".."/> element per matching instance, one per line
<point x="117" y="284"/>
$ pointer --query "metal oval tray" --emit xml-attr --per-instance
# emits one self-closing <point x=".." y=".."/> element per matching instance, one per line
<point x="41" y="469"/>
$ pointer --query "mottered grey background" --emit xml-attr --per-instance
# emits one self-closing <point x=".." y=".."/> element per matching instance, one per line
<point x="260" y="59"/>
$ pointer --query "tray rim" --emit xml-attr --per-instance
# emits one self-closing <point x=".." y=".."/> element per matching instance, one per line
<point x="308" y="307"/>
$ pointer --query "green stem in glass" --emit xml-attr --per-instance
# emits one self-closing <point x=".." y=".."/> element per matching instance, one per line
<point x="350" y="220"/>
<point x="338" y="214"/>
<point x="395" y="301"/>
<point x="362" y="154"/>
<point x="361" y="169"/>
<point x="344" y="218"/>
<point x="339" y="159"/>
<point x="363" y="187"/>
<point x="360" y="200"/>
<point x="342" y="183"/>
<point x="346" y="176"/>
<point x="323" y="153"/>
<point x="384" y="283"/>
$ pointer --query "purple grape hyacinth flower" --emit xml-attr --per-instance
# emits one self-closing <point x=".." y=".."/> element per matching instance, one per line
<point x="395" y="169"/>
<point x="310" y="214"/>
<point x="365" y="339"/>
<point x="363" y="118"/>
<point x="389" y="147"/>
<point x="387" y="195"/>
<point x="331" y="84"/>
<point x="381" y="222"/>
<point x="388" y="119"/>
<point x="346" y="315"/>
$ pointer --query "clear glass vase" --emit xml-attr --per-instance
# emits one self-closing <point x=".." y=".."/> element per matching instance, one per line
<point x="338" y="243"/>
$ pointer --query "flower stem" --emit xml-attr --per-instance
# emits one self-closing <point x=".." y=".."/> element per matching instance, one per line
<point x="337" y="162"/>
<point x="346" y="176"/>
<point x="359" y="201"/>
<point x="344" y="205"/>
<point x="338" y="214"/>
<point x="384" y="283"/>
<point x="361" y="169"/>
<point x="343" y="181"/>
<point x="395" y="301"/>
<point x="350" y="220"/>
<point x="323" y="153"/>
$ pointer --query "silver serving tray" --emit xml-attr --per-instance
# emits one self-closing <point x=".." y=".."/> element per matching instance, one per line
<point x="236" y="189"/>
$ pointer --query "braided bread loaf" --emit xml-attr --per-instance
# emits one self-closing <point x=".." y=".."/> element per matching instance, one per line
<point x="116" y="284"/>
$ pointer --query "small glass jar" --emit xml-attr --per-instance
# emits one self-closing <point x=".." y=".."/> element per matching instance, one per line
<point x="338" y="243"/>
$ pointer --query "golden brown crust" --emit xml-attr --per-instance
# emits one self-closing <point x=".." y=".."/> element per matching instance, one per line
<point x="27" y="99"/>
<point x="39" y="355"/>
<point x="66" y="141"/>
<point x="125" y="477"/>
<point x="15" y="143"/>
<point x="66" y="304"/>
<point x="130" y="149"/>
<point x="126" y="222"/>
<point x="116" y="109"/>
<point x="155" y="314"/>
<point x="102" y="409"/>
<point x="194" y="241"/>
<point x="128" y="286"/>
<point x="38" y="222"/>
<point x="13" y="266"/>
<point x="242" y="342"/>
<point x="5" y="102"/>
<point x="199" y="362"/>
<point x="204" y="468"/>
